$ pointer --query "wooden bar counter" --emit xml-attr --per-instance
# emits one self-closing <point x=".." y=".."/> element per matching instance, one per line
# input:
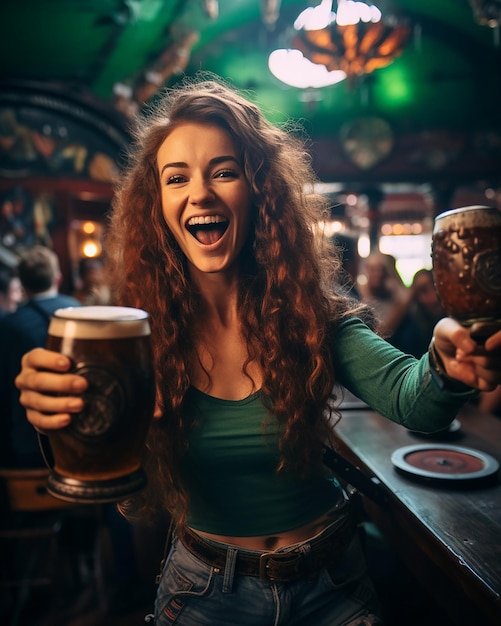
<point x="448" y="533"/>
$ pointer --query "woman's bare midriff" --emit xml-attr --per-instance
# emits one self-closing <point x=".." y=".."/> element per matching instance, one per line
<point x="268" y="543"/>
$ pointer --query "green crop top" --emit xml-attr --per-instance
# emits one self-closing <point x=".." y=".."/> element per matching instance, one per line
<point x="230" y="466"/>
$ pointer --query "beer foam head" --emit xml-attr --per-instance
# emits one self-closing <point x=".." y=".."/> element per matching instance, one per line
<point x="469" y="217"/>
<point x="99" y="322"/>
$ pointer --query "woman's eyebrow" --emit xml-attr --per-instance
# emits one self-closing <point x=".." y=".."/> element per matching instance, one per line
<point x="219" y="159"/>
<point x="174" y="164"/>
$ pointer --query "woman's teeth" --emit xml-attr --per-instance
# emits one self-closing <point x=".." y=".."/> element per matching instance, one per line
<point x="207" y="229"/>
<point x="207" y="219"/>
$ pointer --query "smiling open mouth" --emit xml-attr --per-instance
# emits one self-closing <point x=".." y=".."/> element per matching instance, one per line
<point x="207" y="230"/>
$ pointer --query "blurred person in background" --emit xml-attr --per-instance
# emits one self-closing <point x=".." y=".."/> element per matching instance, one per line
<point x="40" y="276"/>
<point x="414" y="333"/>
<point x="92" y="288"/>
<point x="384" y="292"/>
<point x="11" y="291"/>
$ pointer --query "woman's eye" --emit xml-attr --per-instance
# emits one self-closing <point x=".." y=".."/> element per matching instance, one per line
<point x="226" y="174"/>
<point x="176" y="178"/>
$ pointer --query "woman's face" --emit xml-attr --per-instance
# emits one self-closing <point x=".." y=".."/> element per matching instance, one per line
<point x="205" y="195"/>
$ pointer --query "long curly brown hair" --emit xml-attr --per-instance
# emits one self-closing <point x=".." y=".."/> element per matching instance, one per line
<point x="286" y="302"/>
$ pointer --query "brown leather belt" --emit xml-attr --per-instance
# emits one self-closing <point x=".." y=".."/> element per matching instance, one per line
<point x="280" y="567"/>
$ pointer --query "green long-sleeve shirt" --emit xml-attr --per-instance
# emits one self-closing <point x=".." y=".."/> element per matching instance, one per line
<point x="392" y="383"/>
<point x="230" y="468"/>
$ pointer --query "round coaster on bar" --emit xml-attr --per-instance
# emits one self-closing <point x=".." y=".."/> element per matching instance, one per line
<point x="444" y="462"/>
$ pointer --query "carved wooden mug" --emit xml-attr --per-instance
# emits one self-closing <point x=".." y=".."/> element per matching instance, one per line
<point x="466" y="257"/>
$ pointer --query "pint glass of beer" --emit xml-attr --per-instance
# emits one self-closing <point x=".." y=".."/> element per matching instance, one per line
<point x="466" y="257"/>
<point x="97" y="458"/>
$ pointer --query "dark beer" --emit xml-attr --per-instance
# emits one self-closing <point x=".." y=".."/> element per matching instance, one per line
<point x="97" y="458"/>
<point x="466" y="256"/>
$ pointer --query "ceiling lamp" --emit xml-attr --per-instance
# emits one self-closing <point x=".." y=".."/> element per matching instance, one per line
<point x="294" y="69"/>
<point x="329" y="46"/>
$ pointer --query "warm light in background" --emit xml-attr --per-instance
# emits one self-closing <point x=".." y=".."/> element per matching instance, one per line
<point x="84" y="241"/>
<point x="329" y="228"/>
<point x="91" y="248"/>
<point x="364" y="246"/>
<point x="89" y="228"/>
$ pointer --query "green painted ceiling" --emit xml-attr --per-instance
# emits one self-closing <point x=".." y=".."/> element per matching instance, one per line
<point x="448" y="77"/>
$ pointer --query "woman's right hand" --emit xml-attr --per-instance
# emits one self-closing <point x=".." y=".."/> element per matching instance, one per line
<point x="48" y="392"/>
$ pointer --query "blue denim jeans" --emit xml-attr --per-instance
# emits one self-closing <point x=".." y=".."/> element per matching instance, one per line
<point x="191" y="593"/>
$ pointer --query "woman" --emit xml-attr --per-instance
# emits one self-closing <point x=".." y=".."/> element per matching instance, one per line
<point x="213" y="234"/>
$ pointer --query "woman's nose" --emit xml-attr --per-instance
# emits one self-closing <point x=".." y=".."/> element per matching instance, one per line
<point x="201" y="192"/>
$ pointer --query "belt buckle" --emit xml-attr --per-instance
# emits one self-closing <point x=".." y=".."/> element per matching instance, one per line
<point x="294" y="559"/>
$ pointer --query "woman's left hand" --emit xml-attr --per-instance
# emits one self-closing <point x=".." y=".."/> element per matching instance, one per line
<point x="475" y="365"/>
